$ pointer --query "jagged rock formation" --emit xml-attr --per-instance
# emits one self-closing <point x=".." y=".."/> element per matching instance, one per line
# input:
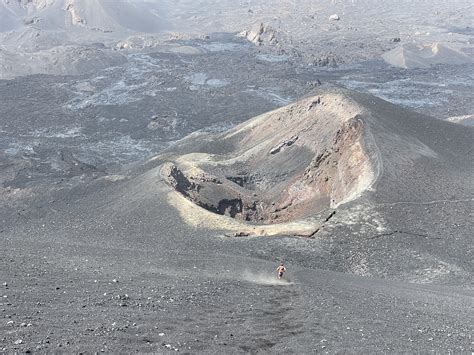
<point x="75" y="16"/>
<point x="330" y="60"/>
<point x="261" y="34"/>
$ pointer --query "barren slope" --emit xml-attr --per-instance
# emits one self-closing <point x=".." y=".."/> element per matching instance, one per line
<point x="109" y="265"/>
<point x="98" y="15"/>
<point x="410" y="56"/>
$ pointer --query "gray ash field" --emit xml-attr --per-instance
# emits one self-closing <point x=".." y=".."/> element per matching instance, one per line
<point x="154" y="174"/>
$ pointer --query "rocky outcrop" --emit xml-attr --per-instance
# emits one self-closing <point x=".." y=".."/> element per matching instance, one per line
<point x="76" y="19"/>
<point x="329" y="60"/>
<point x="206" y="191"/>
<point x="261" y="34"/>
<point x="286" y="143"/>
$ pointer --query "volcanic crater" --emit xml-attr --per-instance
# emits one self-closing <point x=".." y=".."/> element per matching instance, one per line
<point x="282" y="166"/>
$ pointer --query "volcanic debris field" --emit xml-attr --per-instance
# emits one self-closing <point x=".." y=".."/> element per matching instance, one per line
<point x="159" y="160"/>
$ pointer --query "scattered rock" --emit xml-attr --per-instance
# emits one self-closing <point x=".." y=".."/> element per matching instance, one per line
<point x="328" y="60"/>
<point x="313" y="84"/>
<point x="314" y="103"/>
<point x="287" y="143"/>
<point x="165" y="122"/>
<point x="18" y="342"/>
<point x="238" y="234"/>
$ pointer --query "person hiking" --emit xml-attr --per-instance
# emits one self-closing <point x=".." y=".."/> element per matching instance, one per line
<point x="280" y="270"/>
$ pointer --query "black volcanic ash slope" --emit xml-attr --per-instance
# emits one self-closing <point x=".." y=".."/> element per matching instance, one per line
<point x="111" y="263"/>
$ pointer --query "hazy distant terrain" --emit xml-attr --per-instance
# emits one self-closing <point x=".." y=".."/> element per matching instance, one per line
<point x="158" y="159"/>
<point x="44" y="34"/>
